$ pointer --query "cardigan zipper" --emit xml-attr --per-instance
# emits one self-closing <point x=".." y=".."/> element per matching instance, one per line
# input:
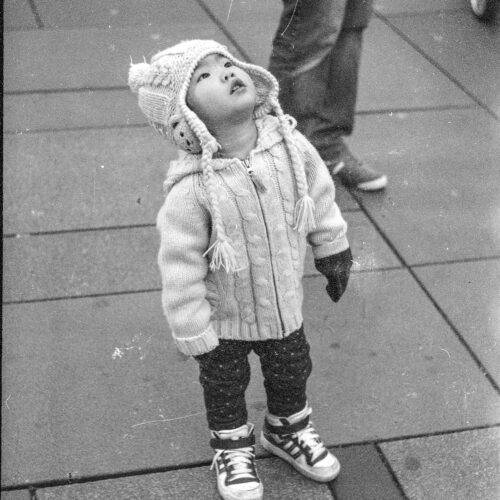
<point x="246" y="163"/>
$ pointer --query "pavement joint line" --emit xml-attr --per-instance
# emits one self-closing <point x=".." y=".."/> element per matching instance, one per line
<point x="36" y="14"/>
<point x="391" y="471"/>
<point x="67" y="90"/>
<point x="428" y="294"/>
<point x="464" y="260"/>
<point x="224" y="30"/>
<point x="106" y="228"/>
<point x="70" y="480"/>
<point x="416" y="109"/>
<point x="78" y="230"/>
<point x="151" y="290"/>
<point x="205" y="463"/>
<point x="123" y="292"/>
<point x="382" y="234"/>
<point x="374" y="112"/>
<point x="431" y="60"/>
<point x="359" y="271"/>
<point x="397" y="15"/>
<point x="76" y="297"/>
<point x="331" y="488"/>
<point x="407" y="437"/>
<point x="455" y="330"/>
<point x="75" y="129"/>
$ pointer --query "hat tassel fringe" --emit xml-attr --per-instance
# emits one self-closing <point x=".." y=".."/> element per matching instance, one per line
<point x="223" y="255"/>
<point x="304" y="214"/>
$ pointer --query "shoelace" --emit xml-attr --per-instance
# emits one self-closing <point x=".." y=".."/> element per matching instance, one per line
<point x="239" y="463"/>
<point x="311" y="441"/>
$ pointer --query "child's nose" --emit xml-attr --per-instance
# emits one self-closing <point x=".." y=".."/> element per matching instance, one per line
<point x="226" y="75"/>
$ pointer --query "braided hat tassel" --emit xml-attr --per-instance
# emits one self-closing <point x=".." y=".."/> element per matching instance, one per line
<point x="304" y="214"/>
<point x="223" y="254"/>
<point x="304" y="219"/>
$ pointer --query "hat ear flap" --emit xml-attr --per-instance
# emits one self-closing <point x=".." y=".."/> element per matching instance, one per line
<point x="183" y="136"/>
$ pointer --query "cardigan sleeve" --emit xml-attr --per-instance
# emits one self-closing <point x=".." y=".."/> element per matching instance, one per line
<point x="184" y="227"/>
<point x="329" y="236"/>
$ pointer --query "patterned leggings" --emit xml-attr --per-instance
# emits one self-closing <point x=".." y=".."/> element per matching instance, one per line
<point x="225" y="374"/>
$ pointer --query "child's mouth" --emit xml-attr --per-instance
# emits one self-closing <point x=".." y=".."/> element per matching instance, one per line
<point x="236" y="85"/>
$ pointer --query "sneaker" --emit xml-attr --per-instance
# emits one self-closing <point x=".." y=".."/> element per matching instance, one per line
<point x="355" y="174"/>
<point x="295" y="440"/>
<point x="234" y="461"/>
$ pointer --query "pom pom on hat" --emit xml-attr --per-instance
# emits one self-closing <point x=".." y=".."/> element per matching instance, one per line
<point x="137" y="75"/>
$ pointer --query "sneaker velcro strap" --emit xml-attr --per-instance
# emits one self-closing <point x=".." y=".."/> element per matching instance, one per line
<point x="232" y="444"/>
<point x="282" y="430"/>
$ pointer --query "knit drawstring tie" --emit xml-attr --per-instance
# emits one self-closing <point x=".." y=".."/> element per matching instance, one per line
<point x="304" y="214"/>
<point x="223" y="256"/>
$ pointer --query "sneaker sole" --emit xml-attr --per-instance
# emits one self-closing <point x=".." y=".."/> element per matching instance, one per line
<point x="256" y="494"/>
<point x="375" y="185"/>
<point x="287" y="458"/>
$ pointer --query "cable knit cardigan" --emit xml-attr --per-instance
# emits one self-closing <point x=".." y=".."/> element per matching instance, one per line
<point x="263" y="298"/>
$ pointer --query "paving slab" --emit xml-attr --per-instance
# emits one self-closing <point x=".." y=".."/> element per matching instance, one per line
<point x="442" y="202"/>
<point x="384" y="64"/>
<point x="81" y="179"/>
<point x="15" y="495"/>
<point x="464" y="47"/>
<point x="96" y="386"/>
<point x="80" y="263"/>
<point x="363" y="475"/>
<point x="401" y="7"/>
<point x="393" y="75"/>
<point x="118" y="260"/>
<point x="17" y="15"/>
<point x="279" y="480"/>
<point x="88" y="178"/>
<point x="382" y="366"/>
<point x="94" y="57"/>
<point x="461" y="466"/>
<point x="114" y="13"/>
<point x="474" y="305"/>
<point x="370" y="251"/>
<point x="252" y="24"/>
<point x="344" y="199"/>
<point x="68" y="110"/>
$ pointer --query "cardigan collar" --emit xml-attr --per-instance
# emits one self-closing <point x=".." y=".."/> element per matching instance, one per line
<point x="268" y="134"/>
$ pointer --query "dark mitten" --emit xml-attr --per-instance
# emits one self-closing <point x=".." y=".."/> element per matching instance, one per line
<point x="336" y="268"/>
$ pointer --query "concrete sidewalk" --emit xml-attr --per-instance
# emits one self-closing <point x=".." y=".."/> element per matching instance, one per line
<point x="97" y="404"/>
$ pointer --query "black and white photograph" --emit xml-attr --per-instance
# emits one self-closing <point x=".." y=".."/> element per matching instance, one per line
<point x="251" y="250"/>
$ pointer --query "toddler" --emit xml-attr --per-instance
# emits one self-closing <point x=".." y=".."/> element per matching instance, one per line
<point x="245" y="196"/>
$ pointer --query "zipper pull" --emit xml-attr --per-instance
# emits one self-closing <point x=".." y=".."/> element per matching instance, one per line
<point x="259" y="185"/>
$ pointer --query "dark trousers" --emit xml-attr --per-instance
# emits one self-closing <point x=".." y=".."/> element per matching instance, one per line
<point x="316" y="56"/>
<point x="225" y="374"/>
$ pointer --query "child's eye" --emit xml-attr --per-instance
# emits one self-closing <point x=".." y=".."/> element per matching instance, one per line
<point x="228" y="64"/>
<point x="203" y="76"/>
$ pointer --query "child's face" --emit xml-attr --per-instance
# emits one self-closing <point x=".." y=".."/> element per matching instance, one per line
<point x="220" y="92"/>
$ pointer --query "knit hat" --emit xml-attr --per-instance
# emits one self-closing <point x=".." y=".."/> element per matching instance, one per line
<point x="162" y="87"/>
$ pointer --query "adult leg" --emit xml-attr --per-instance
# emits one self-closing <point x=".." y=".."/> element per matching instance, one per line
<point x="302" y="46"/>
<point x="317" y="65"/>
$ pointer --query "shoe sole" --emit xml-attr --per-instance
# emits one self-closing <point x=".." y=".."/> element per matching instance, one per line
<point x="267" y="445"/>
<point x="375" y="185"/>
<point x="256" y="494"/>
